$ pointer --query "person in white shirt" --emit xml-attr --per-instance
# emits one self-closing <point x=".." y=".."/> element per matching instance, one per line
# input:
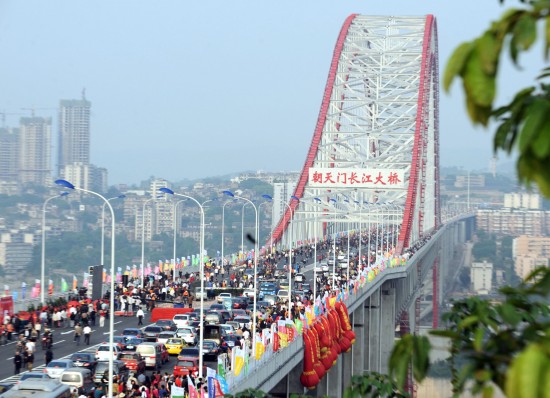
<point x="87" y="331"/>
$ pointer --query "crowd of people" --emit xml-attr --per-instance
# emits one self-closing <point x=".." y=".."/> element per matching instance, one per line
<point x="82" y="314"/>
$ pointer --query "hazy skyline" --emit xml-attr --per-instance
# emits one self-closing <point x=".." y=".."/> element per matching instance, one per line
<point x="194" y="89"/>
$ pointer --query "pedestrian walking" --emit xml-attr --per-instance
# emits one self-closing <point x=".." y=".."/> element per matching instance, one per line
<point x="48" y="356"/>
<point x="77" y="333"/>
<point x="140" y="315"/>
<point x="102" y="315"/>
<point x="17" y="362"/>
<point x="30" y="360"/>
<point x="87" y="332"/>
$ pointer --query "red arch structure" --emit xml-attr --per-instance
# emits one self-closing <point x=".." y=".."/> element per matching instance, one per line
<point x="374" y="155"/>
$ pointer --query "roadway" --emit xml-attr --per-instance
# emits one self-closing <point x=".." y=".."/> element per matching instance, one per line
<point x="64" y="347"/>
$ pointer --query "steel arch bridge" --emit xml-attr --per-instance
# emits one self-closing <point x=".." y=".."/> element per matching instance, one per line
<point x="374" y="156"/>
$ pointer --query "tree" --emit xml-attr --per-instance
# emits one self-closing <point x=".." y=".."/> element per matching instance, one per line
<point x="523" y="123"/>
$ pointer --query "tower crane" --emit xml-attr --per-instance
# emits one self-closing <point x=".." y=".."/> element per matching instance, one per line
<point x="3" y="113"/>
<point x="32" y="109"/>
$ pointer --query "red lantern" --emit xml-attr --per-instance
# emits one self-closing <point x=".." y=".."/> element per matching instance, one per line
<point x="309" y="377"/>
<point x="317" y="365"/>
<point x="344" y="321"/>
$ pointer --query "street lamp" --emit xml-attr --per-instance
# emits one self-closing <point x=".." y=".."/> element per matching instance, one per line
<point x="201" y="267"/>
<point x="67" y="184"/>
<point x="317" y="200"/>
<point x="175" y="232"/>
<point x="242" y="229"/>
<point x="43" y="259"/>
<point x="269" y="200"/>
<point x="223" y="227"/>
<point x="103" y="228"/>
<point x="254" y="314"/>
<point x="143" y="240"/>
<point x="334" y="246"/>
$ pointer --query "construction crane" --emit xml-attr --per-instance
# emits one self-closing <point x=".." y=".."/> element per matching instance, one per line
<point x="32" y="109"/>
<point x="3" y="113"/>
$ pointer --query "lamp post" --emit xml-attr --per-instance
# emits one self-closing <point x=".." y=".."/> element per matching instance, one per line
<point x="259" y="208"/>
<point x="201" y="267"/>
<point x="347" y="270"/>
<point x="43" y="257"/>
<point x="254" y="313"/>
<point x="67" y="184"/>
<point x="223" y="228"/>
<point x="334" y="246"/>
<point x="317" y="200"/>
<point x="143" y="241"/>
<point x="103" y="227"/>
<point x="269" y="199"/>
<point x="242" y="229"/>
<point x="176" y="232"/>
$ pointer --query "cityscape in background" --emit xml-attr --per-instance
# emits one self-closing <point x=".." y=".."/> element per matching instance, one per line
<point x="513" y="218"/>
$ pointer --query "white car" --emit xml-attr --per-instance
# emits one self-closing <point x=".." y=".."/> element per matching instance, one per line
<point x="188" y="334"/>
<point x="249" y="293"/>
<point x="57" y="366"/>
<point x="102" y="352"/>
<point x="228" y="329"/>
<point x="181" y="320"/>
<point x="243" y="321"/>
<point x="164" y="336"/>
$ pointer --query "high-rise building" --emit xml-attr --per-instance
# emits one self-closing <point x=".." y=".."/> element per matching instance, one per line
<point x="481" y="276"/>
<point x="35" y="150"/>
<point x="9" y="155"/>
<point x="74" y="133"/>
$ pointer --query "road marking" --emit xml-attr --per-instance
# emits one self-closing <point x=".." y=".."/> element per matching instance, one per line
<point x="70" y="331"/>
<point x="117" y="322"/>
<point x="57" y="342"/>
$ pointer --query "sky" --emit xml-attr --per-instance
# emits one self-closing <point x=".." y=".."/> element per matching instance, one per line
<point x="192" y="89"/>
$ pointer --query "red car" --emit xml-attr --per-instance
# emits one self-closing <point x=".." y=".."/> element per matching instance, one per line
<point x="133" y="361"/>
<point x="187" y="366"/>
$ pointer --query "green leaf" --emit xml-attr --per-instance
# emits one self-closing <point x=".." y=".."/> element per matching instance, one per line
<point x="541" y="144"/>
<point x="525" y="32"/>
<point x="421" y="357"/>
<point x="468" y="321"/>
<point x="527" y="370"/>
<point x="488" y="47"/>
<point x="480" y="86"/>
<point x="478" y="339"/>
<point x="537" y="112"/>
<point x="456" y="62"/>
<point x="546" y="37"/>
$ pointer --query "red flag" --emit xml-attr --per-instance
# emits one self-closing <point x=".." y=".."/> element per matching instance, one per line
<point x="191" y="387"/>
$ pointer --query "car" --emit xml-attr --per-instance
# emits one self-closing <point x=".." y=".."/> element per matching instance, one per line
<point x="120" y="341"/>
<point x="226" y="315"/>
<point x="262" y="305"/>
<point x="164" y="336"/>
<point x="324" y="267"/>
<point x="34" y="376"/>
<point x="132" y="332"/>
<point x="174" y="345"/>
<point x="166" y="324"/>
<point x="84" y="359"/>
<point x="210" y="348"/>
<point x="244" y="321"/>
<point x="299" y="278"/>
<point x="57" y="366"/>
<point x="239" y="312"/>
<point x="102" y="352"/>
<point x="249" y="293"/>
<point x="155" y="354"/>
<point x="181" y="319"/>
<point x="151" y="333"/>
<point x="223" y="296"/>
<point x="188" y="334"/>
<point x="215" y="307"/>
<point x="195" y="324"/>
<point x="133" y="343"/>
<point x="239" y="303"/>
<point x="282" y="295"/>
<point x="189" y="352"/>
<point x="234" y="324"/>
<point x="230" y="341"/>
<point x="186" y="366"/>
<point x="227" y="329"/>
<point x="119" y="369"/>
<point x="5" y="387"/>
<point x="133" y="361"/>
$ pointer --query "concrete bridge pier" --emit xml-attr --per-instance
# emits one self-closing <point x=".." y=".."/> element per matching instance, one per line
<point x="387" y="324"/>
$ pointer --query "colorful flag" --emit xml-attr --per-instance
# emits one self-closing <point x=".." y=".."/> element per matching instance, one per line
<point x="64" y="285"/>
<point x="191" y="387"/>
<point x="75" y="282"/>
<point x="177" y="392"/>
<point x="50" y="287"/>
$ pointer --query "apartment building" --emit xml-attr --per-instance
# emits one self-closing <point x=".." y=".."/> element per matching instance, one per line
<point x="530" y="252"/>
<point x="481" y="276"/>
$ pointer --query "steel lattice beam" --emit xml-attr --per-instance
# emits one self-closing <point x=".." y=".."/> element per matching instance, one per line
<point x="379" y="112"/>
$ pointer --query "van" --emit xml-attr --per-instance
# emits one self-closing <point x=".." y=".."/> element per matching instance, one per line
<point x="119" y="369"/>
<point x="152" y="354"/>
<point x="200" y="293"/>
<point x="78" y="379"/>
<point x="213" y="318"/>
<point x="39" y="389"/>
<point x="213" y="332"/>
